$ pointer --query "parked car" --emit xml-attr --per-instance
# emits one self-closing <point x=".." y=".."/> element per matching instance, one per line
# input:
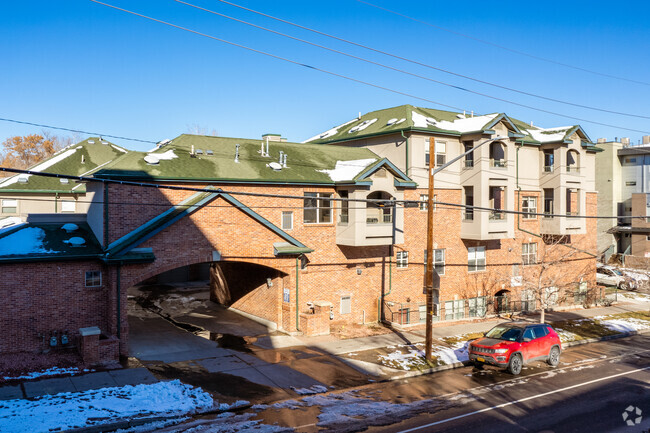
<point x="610" y="276"/>
<point x="513" y="345"/>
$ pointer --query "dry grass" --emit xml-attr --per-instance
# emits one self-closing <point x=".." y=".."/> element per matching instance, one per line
<point x="346" y="331"/>
<point x="455" y="339"/>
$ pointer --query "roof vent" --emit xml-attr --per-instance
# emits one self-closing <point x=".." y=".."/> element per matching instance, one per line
<point x="209" y="152"/>
<point x="275" y="166"/>
<point x="151" y="159"/>
<point x="69" y="227"/>
<point x="22" y="179"/>
<point x="64" y="181"/>
<point x="237" y="152"/>
<point x="76" y="241"/>
<point x="91" y="141"/>
<point x="199" y="151"/>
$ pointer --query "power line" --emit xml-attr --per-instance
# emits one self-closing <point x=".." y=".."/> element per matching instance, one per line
<point x="278" y="57"/>
<point x="532" y="56"/>
<point x="75" y="130"/>
<point x="406" y="60"/>
<point x="386" y="203"/>
<point x="351" y="78"/>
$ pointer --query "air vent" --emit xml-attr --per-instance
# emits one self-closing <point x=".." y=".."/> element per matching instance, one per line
<point x="23" y="179"/>
<point x="76" y="241"/>
<point x="64" y="181"/>
<point x="199" y="151"/>
<point x="209" y="152"/>
<point x="70" y="227"/>
<point x="275" y="166"/>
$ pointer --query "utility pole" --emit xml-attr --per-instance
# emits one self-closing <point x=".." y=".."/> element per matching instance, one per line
<point x="429" y="265"/>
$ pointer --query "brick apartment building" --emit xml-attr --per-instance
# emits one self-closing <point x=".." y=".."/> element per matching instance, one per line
<point x="282" y="245"/>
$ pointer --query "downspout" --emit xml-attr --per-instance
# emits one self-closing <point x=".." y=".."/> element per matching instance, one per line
<point x="406" y="164"/>
<point x="56" y="202"/>
<point x="297" y="286"/>
<point x="119" y="301"/>
<point x="105" y="215"/>
<point x="519" y="215"/>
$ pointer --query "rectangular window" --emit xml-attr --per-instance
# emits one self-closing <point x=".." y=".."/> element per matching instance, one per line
<point x="401" y="259"/>
<point x="441" y="153"/>
<point x="469" y="158"/>
<point x="529" y="254"/>
<point x="346" y="304"/>
<point x="548" y="161"/>
<point x="469" y="202"/>
<point x="475" y="259"/>
<point x="454" y="309"/>
<point x="529" y="206"/>
<point x="438" y="261"/>
<point x="344" y="215"/>
<point x="286" y="295"/>
<point x="68" y="206"/>
<point x="287" y="220"/>
<point x="9" y="206"/>
<point x="93" y="278"/>
<point x="633" y="183"/>
<point x="424" y="200"/>
<point x="318" y="208"/>
<point x="548" y="202"/>
<point x="477" y="306"/>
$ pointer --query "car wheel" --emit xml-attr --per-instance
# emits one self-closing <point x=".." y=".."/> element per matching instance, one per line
<point x="624" y="286"/>
<point x="554" y="357"/>
<point x="515" y="364"/>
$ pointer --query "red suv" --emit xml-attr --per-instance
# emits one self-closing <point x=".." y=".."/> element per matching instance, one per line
<point x="513" y="344"/>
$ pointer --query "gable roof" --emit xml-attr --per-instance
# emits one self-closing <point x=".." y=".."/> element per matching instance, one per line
<point x="95" y="153"/>
<point x="411" y="118"/>
<point x="196" y="201"/>
<point x="214" y="160"/>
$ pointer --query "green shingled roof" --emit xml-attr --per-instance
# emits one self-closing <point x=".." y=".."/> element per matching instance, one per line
<point x="411" y="118"/>
<point x="94" y="152"/>
<point x="306" y="163"/>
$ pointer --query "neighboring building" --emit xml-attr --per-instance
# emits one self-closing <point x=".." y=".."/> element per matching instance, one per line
<point x="21" y="194"/>
<point x="623" y="182"/>
<point x="549" y="171"/>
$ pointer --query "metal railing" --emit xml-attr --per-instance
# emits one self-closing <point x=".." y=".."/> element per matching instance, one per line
<point x="468" y="216"/>
<point x="497" y="215"/>
<point x="499" y="163"/>
<point x="469" y="163"/>
<point x="572" y="169"/>
<point x="548" y="169"/>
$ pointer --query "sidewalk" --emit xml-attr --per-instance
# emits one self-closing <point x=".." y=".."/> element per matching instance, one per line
<point x="278" y="366"/>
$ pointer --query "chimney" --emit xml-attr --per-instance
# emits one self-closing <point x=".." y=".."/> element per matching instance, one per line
<point x="359" y="117"/>
<point x="601" y="140"/>
<point x="646" y="139"/>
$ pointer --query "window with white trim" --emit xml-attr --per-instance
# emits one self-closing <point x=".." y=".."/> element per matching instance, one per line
<point x="401" y="259"/>
<point x="9" y="205"/>
<point x="441" y="153"/>
<point x="475" y="259"/>
<point x="424" y="201"/>
<point x="287" y="220"/>
<point x="93" y="278"/>
<point x="317" y="208"/>
<point x="529" y="207"/>
<point x="455" y="309"/>
<point x="529" y="253"/>
<point x="438" y="261"/>
<point x="477" y="306"/>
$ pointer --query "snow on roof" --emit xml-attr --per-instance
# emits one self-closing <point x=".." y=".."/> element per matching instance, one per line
<point x="121" y="149"/>
<point x="363" y="125"/>
<point x="165" y="156"/>
<point x="330" y="132"/>
<point x="42" y="166"/>
<point x="468" y="124"/>
<point x="347" y="170"/>
<point x="28" y="240"/>
<point x="9" y="222"/>
<point x="549" y="134"/>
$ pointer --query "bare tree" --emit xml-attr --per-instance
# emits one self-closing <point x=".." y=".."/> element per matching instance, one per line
<point x="556" y="269"/>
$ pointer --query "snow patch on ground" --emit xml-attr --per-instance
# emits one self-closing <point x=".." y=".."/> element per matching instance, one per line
<point x="411" y="357"/>
<point x="628" y="324"/>
<point x="316" y="389"/>
<point x="582" y="367"/>
<point x="231" y="423"/>
<point x="49" y="372"/>
<point x="80" y="409"/>
<point x="566" y="336"/>
<point x="347" y="170"/>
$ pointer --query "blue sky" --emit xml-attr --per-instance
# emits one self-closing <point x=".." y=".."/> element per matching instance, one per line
<point x="81" y="65"/>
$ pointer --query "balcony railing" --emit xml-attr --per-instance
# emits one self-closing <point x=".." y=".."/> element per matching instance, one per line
<point x="497" y="215"/>
<point x="468" y="216"/>
<point x="499" y="163"/>
<point x="548" y="215"/>
<point x="572" y="169"/>
<point x="548" y="169"/>
<point x="572" y="214"/>
<point x="344" y="218"/>
<point x="469" y="163"/>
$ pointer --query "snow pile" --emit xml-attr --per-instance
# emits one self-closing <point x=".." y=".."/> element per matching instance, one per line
<point x="25" y="241"/>
<point x="347" y="170"/>
<point x="231" y="423"/>
<point x="451" y="355"/>
<point x="414" y="359"/>
<point x="629" y="324"/>
<point x="73" y="410"/>
<point x="637" y="274"/>
<point x="49" y="372"/>
<point x="566" y="336"/>
<point x="550" y="134"/>
<point x="316" y="389"/>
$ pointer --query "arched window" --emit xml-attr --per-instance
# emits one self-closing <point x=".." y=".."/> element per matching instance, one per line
<point x="572" y="161"/>
<point x="497" y="154"/>
<point x="380" y="211"/>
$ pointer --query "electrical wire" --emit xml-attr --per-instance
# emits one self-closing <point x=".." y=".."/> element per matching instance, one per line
<point x="406" y="59"/>
<point x="385" y="203"/>
<point x="532" y="56"/>
<point x="348" y="77"/>
<point x="75" y="130"/>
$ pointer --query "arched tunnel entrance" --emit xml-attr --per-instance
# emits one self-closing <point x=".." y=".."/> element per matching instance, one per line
<point x="197" y="311"/>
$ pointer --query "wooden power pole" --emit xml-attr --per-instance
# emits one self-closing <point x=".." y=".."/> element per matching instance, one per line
<point x="429" y="264"/>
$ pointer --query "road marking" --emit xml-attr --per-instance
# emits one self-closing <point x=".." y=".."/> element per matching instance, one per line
<point x="532" y="397"/>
